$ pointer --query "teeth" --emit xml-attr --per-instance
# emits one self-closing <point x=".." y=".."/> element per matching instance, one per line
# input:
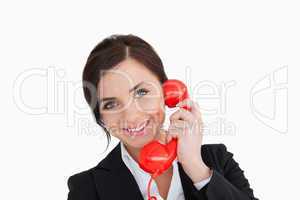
<point x="137" y="129"/>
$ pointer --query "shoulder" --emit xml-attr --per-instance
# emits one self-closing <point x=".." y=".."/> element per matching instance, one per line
<point x="82" y="184"/>
<point x="216" y="155"/>
<point x="105" y="164"/>
<point x="83" y="177"/>
<point x="81" y="180"/>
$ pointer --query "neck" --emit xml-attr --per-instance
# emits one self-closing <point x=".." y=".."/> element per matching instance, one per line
<point x="133" y="152"/>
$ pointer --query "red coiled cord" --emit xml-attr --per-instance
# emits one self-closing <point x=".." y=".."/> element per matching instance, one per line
<point x="149" y="186"/>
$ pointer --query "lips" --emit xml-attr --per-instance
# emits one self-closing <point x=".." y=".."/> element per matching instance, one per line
<point x="137" y="131"/>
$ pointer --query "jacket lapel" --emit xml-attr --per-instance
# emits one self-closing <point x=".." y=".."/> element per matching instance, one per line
<point x="114" y="180"/>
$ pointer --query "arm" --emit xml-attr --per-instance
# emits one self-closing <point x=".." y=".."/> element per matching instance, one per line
<point x="227" y="180"/>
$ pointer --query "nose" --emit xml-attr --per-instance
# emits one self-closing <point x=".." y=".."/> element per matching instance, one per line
<point x="132" y="114"/>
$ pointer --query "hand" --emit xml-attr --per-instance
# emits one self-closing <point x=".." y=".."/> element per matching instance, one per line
<point x="187" y="126"/>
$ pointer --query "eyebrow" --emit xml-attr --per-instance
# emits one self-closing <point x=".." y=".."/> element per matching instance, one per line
<point x="113" y="98"/>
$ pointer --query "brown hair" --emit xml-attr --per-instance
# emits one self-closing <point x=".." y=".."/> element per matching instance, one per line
<point x="107" y="54"/>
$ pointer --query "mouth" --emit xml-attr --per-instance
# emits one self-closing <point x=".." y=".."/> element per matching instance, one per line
<point x="139" y="131"/>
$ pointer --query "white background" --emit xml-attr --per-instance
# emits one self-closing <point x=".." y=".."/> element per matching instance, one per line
<point x="219" y="42"/>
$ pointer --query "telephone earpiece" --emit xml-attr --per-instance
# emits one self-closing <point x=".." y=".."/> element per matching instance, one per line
<point x="155" y="158"/>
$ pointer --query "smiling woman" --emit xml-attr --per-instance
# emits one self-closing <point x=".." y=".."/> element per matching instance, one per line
<point x="122" y="81"/>
<point x="130" y="98"/>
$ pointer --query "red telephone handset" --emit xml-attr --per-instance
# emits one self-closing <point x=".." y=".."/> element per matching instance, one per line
<point x="155" y="157"/>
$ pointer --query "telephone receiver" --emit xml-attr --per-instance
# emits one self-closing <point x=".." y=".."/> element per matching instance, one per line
<point x="155" y="158"/>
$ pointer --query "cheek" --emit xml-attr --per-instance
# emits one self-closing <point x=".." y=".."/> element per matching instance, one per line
<point x="156" y="109"/>
<point x="151" y="104"/>
<point x="111" y="125"/>
<point x="158" y="115"/>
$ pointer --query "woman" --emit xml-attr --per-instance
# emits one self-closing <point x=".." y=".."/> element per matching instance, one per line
<point x="123" y="80"/>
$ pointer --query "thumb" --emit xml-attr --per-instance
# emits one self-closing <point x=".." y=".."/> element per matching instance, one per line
<point x="168" y="137"/>
<point x="163" y="136"/>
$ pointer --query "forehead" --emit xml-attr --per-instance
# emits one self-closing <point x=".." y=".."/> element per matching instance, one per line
<point x="124" y="76"/>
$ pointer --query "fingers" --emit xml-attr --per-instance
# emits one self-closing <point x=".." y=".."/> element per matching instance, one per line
<point x="183" y="120"/>
<point x="195" y="108"/>
<point x="177" y="129"/>
<point x="182" y="114"/>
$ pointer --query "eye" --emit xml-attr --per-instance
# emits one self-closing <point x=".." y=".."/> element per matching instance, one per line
<point x="141" y="92"/>
<point x="109" y="105"/>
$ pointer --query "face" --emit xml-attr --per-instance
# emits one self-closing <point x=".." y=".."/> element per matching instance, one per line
<point x="131" y="103"/>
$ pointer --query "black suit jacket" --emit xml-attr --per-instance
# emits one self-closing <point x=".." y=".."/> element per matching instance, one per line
<point x="112" y="180"/>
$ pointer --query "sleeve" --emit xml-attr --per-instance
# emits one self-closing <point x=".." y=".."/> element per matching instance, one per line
<point x="227" y="180"/>
<point x="81" y="187"/>
<point x="199" y="185"/>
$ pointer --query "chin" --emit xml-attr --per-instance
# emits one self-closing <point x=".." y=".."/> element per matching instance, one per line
<point x="139" y="141"/>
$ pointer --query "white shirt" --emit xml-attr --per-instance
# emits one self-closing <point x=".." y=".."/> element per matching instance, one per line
<point x="142" y="178"/>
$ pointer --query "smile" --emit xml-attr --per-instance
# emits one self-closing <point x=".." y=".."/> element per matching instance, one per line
<point x="137" y="131"/>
